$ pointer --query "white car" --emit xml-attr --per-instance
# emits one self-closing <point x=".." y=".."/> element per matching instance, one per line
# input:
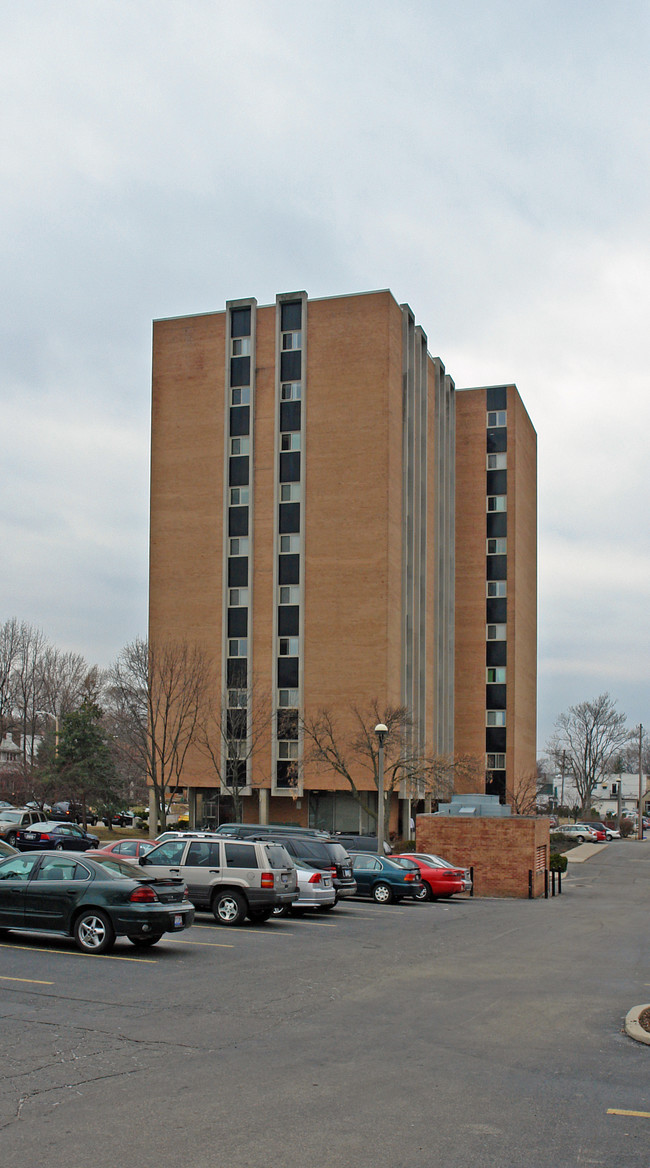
<point x="315" y="890"/>
<point x="580" y="832"/>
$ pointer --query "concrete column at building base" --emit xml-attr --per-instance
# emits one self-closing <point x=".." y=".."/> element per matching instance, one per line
<point x="263" y="805"/>
<point x="153" y="815"/>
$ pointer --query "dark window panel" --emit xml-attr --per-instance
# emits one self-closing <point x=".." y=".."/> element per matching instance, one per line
<point x="497" y="440"/>
<point x="289" y="569"/>
<point x="287" y="672"/>
<point x="236" y="724"/>
<point x="290" y="365"/>
<point x="288" y="620"/>
<point x="495" y="739"/>
<point x="496" y="609"/>
<point x="236" y="673"/>
<point x="496" y="524"/>
<point x="238" y="521"/>
<point x="497" y="482"/>
<point x="236" y="777"/>
<point x="238" y="571"/>
<point x="240" y="420"/>
<point x="496" y="568"/>
<point x="240" y="371"/>
<point x="495" y="784"/>
<point x="287" y="723"/>
<point x="237" y="622"/>
<point x="291" y="316"/>
<point x="238" y="470"/>
<point x="290" y="467"/>
<point x="289" y="518"/>
<point x="497" y="397"/>
<point x="496" y="652"/>
<point x="495" y="697"/>
<point x="240" y="322"/>
<point x="290" y="414"/>
<point x="286" y="774"/>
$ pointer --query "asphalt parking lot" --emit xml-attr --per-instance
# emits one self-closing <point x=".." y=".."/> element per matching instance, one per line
<point x="463" y="1033"/>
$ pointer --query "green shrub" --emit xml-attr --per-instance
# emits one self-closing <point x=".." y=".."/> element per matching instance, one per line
<point x="558" y="862"/>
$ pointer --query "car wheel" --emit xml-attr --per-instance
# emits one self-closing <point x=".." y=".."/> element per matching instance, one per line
<point x="281" y="910"/>
<point x="94" y="932"/>
<point x="58" y="847"/>
<point x="229" y="908"/>
<point x="382" y="894"/>
<point x="145" y="942"/>
<point x="259" y="915"/>
<point x="425" y="893"/>
<point x="11" y="839"/>
<point x="580" y="839"/>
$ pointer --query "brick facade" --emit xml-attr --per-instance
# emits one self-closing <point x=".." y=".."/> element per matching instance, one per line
<point x="501" y="852"/>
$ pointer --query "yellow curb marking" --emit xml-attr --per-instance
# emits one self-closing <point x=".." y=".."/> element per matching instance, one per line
<point x="616" y="1111"/>
<point x="29" y="980"/>
<point x="205" y="944"/>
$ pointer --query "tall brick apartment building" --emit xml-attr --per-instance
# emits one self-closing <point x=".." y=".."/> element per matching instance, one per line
<point x="332" y="518"/>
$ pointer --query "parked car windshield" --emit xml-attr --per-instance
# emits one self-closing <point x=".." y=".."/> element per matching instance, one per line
<point x="11" y="816"/>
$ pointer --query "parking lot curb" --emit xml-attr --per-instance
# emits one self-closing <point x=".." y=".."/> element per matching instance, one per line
<point x="633" y="1027"/>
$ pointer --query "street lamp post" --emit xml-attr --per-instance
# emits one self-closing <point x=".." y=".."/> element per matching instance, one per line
<point x="381" y="731"/>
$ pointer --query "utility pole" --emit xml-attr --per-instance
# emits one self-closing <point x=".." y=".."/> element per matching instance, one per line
<point x="640" y="818"/>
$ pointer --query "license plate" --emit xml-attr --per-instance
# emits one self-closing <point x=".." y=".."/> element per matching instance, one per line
<point x="29" y="835"/>
<point x="178" y="920"/>
<point x="285" y="878"/>
<point x="347" y="872"/>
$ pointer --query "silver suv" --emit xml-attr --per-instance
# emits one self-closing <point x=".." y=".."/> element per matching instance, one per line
<point x="15" y="820"/>
<point x="234" y="879"/>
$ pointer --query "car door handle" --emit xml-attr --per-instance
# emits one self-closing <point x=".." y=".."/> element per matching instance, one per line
<point x="176" y="870"/>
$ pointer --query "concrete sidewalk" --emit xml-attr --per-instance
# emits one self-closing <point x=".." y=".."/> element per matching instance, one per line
<point x="584" y="852"/>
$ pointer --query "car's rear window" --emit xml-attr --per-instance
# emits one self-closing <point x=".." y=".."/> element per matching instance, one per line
<point x="337" y="853"/>
<point x="278" y="856"/>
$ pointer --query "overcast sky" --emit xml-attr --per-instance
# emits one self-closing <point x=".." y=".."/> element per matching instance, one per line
<point x="486" y="161"/>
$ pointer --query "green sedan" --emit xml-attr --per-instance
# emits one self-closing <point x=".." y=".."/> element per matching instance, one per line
<point x="93" y="902"/>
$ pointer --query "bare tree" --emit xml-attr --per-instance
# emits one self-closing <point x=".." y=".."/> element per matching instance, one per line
<point x="523" y="794"/>
<point x="29" y="688"/>
<point x="590" y="737"/>
<point x="9" y="647"/>
<point x="231" y="733"/>
<point x="355" y="757"/>
<point x="157" y="694"/>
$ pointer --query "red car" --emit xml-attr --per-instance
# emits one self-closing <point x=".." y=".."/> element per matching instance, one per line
<point x="439" y="878"/>
<point x="128" y="849"/>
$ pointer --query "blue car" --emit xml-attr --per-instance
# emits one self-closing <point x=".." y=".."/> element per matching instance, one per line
<point x="383" y="879"/>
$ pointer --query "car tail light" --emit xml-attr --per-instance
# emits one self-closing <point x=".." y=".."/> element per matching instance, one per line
<point x="143" y="895"/>
<point x="44" y="837"/>
<point x="411" y="876"/>
<point x="333" y="870"/>
<point x="267" y="880"/>
<point x="186" y="893"/>
<point x="315" y="879"/>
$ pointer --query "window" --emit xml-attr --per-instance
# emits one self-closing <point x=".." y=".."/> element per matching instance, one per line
<point x="290" y="543"/>
<point x="240" y="855"/>
<point x="238" y="647"/>
<point x="497" y="503"/>
<point x="241" y="396"/>
<point x="497" y="418"/>
<point x="237" y="699"/>
<point x="496" y="675"/>
<point x="240" y="445"/>
<point x="238" y="496"/>
<point x="288" y="698"/>
<point x="289" y="594"/>
<point x="497" y="461"/>
<point x="292" y="341"/>
<point x="495" y="632"/>
<point x="495" y="717"/>
<point x="496" y="762"/>
<point x="291" y="391"/>
<point x="497" y="547"/>
<point x="241" y="347"/>
<point x="289" y="646"/>
<point x="290" y="441"/>
<point x="238" y="546"/>
<point x="497" y="588"/>
<point x="289" y="492"/>
<point x="238" y="597"/>
<point x="287" y="749"/>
